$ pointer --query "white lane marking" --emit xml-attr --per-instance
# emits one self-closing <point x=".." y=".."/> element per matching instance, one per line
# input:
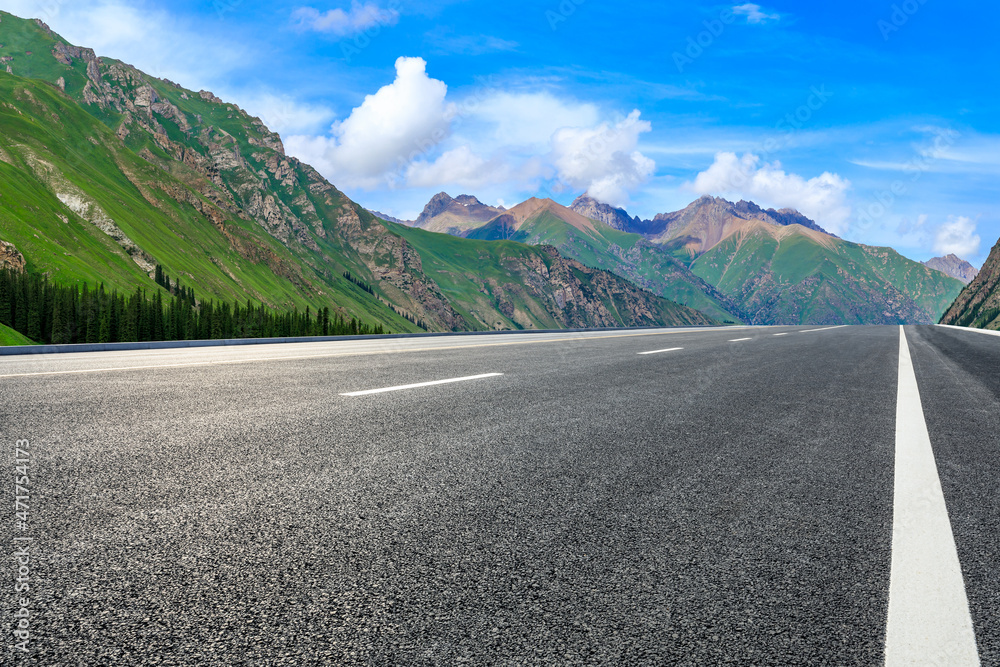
<point x="929" y="621"/>
<point x="982" y="331"/>
<point x="737" y="340"/>
<point x="420" y="384"/>
<point x="357" y="353"/>
<point x="669" y="349"/>
<point x="839" y="326"/>
<point x="782" y="334"/>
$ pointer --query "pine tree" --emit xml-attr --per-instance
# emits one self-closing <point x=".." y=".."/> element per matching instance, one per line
<point x="6" y="298"/>
<point x="60" y="324"/>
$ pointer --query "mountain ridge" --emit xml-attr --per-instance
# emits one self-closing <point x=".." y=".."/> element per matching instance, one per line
<point x="147" y="172"/>
<point x="763" y="266"/>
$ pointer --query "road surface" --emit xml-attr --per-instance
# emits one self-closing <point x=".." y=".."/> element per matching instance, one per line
<point x="689" y="497"/>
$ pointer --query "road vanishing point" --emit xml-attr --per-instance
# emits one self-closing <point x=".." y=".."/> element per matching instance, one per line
<point x="742" y="496"/>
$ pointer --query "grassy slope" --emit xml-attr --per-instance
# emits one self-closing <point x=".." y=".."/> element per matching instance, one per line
<point x="80" y="144"/>
<point x="797" y="280"/>
<point x="84" y="152"/>
<point x="10" y="337"/>
<point x="627" y="255"/>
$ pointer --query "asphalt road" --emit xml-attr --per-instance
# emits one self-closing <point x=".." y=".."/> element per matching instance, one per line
<point x="729" y="502"/>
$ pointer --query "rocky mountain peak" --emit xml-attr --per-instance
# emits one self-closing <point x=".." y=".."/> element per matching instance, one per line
<point x="613" y="217"/>
<point x="954" y="266"/>
<point x="468" y="200"/>
<point x="437" y="205"/>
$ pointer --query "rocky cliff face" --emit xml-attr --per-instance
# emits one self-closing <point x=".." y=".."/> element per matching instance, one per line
<point x="953" y="266"/>
<point x="616" y="218"/>
<point x="979" y="303"/>
<point x="10" y="258"/>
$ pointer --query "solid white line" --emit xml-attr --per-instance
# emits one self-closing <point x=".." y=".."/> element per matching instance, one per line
<point x="839" y="326"/>
<point x="929" y="621"/>
<point x="669" y="349"/>
<point x="420" y="384"/>
<point x="737" y="340"/>
<point x="988" y="332"/>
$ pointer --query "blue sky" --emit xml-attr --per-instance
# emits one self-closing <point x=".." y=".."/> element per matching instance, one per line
<point x="877" y="119"/>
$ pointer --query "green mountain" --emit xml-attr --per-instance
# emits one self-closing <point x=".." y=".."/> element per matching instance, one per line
<point x="788" y="273"/>
<point x="106" y="172"/>
<point x="596" y="244"/>
<point x="508" y="284"/>
<point x="734" y="261"/>
<point x="979" y="303"/>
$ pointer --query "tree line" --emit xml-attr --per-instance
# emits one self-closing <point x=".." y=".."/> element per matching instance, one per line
<point x="47" y="312"/>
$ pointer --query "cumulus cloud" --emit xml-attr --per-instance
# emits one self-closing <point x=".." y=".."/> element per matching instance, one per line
<point x="822" y="198"/>
<point x="603" y="159"/>
<point x="410" y="134"/>
<point x="342" y="23"/>
<point x="754" y="13"/>
<point x="957" y="237"/>
<point x="391" y="129"/>
<point x="459" y="165"/>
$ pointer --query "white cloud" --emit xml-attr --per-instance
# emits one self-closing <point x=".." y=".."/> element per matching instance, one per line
<point x="358" y="18"/>
<point x="283" y="114"/>
<point x="531" y="119"/>
<point x="411" y="135"/>
<point x="754" y="13"/>
<point x="392" y="128"/>
<point x="460" y="166"/>
<point x="603" y="159"/>
<point x="958" y="237"/>
<point x="822" y="198"/>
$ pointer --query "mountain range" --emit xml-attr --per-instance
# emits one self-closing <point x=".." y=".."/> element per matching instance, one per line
<point x="732" y="260"/>
<point x="106" y="172"/>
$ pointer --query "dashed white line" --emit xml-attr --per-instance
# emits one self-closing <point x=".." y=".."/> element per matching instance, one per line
<point x="839" y="326"/>
<point x="737" y="340"/>
<point x="420" y="384"/>
<point x="929" y="621"/>
<point x="781" y="334"/>
<point x="669" y="349"/>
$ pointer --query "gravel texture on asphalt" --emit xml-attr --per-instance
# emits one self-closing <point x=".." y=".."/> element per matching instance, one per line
<point x="728" y="503"/>
<point x="959" y="376"/>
